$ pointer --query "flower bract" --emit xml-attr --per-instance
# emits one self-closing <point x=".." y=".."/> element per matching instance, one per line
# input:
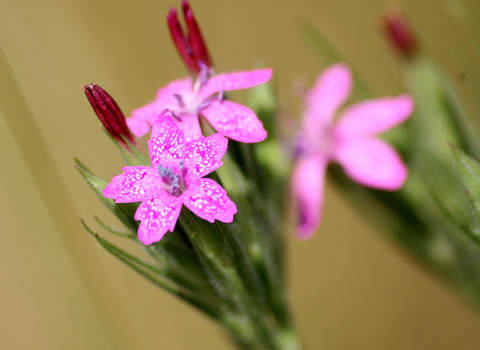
<point x="187" y="101"/>
<point x="351" y="142"/>
<point x="176" y="177"/>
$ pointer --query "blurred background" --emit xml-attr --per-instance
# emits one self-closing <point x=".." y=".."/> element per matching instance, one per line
<point x="350" y="288"/>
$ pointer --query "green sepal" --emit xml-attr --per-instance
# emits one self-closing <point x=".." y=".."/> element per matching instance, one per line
<point x="134" y="157"/>
<point x="157" y="276"/>
<point x="469" y="172"/>
<point x="125" y="212"/>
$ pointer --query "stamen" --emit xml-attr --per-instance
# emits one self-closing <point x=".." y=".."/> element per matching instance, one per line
<point x="161" y="171"/>
<point x="180" y="100"/>
<point x="221" y="95"/>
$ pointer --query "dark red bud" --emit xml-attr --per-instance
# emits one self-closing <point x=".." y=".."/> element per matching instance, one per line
<point x="191" y="47"/>
<point x="399" y="32"/>
<point x="181" y="42"/>
<point x="109" y="114"/>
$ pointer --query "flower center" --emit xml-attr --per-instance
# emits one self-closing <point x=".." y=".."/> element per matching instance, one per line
<point x="172" y="181"/>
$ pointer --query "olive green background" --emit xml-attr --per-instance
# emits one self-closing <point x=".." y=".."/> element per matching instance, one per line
<point x="350" y="288"/>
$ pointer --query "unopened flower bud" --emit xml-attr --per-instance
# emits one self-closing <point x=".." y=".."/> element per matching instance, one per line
<point x="191" y="47"/>
<point x="110" y="115"/>
<point x="399" y="32"/>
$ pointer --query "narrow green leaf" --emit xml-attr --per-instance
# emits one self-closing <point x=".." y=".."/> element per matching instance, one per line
<point x="469" y="171"/>
<point x="119" y="233"/>
<point x="158" y="276"/>
<point x="123" y="211"/>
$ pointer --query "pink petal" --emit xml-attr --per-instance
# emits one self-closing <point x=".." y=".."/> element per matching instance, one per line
<point x="331" y="90"/>
<point x="235" y="121"/>
<point x="307" y="185"/>
<point x="190" y="126"/>
<point x="176" y="87"/>
<point x="374" y="116"/>
<point x="159" y="214"/>
<point x="203" y="156"/>
<point x="209" y="201"/>
<point x="166" y="139"/>
<point x="372" y="163"/>
<point x="134" y="185"/>
<point x="145" y="116"/>
<point x="235" y="81"/>
<point x="138" y="126"/>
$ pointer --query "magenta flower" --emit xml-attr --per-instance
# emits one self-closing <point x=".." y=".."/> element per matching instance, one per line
<point x="176" y="177"/>
<point x="187" y="102"/>
<point x="351" y="142"/>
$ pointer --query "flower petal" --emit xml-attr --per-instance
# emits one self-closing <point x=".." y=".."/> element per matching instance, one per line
<point x="134" y="185"/>
<point x="374" y="116"/>
<point x="209" y="200"/>
<point x="190" y="126"/>
<point x="235" y="81"/>
<point x="159" y="214"/>
<point x="179" y="86"/>
<point x="235" y="121"/>
<point x="167" y="139"/>
<point x="142" y="118"/>
<point x="331" y="90"/>
<point x="138" y="126"/>
<point x="307" y="185"/>
<point x="373" y="163"/>
<point x="203" y="156"/>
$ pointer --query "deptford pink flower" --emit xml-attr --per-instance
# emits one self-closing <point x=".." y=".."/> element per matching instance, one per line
<point x="351" y="142"/>
<point x="176" y="177"/>
<point x="188" y="101"/>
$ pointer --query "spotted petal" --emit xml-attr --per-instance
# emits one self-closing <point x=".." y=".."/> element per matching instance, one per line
<point x="330" y="91"/>
<point x="158" y="214"/>
<point x="203" y="156"/>
<point x="372" y="117"/>
<point x="372" y="163"/>
<point x="167" y="139"/>
<point x="307" y="186"/>
<point x="209" y="201"/>
<point x="235" y="121"/>
<point x="134" y="185"/>
<point x="235" y="81"/>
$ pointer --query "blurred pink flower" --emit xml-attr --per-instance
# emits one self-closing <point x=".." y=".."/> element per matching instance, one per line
<point x="188" y="101"/>
<point x="174" y="178"/>
<point x="351" y="142"/>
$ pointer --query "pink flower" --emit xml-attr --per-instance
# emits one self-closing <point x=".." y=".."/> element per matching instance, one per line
<point x="174" y="178"/>
<point x="187" y="102"/>
<point x="351" y="142"/>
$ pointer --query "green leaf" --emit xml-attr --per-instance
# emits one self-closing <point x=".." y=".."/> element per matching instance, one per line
<point x="119" y="233"/>
<point x="158" y="276"/>
<point x="469" y="171"/>
<point x="123" y="211"/>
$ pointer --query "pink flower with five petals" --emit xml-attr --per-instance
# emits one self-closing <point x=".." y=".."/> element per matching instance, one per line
<point x="176" y="177"/>
<point x="351" y="142"/>
<point x="187" y="101"/>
